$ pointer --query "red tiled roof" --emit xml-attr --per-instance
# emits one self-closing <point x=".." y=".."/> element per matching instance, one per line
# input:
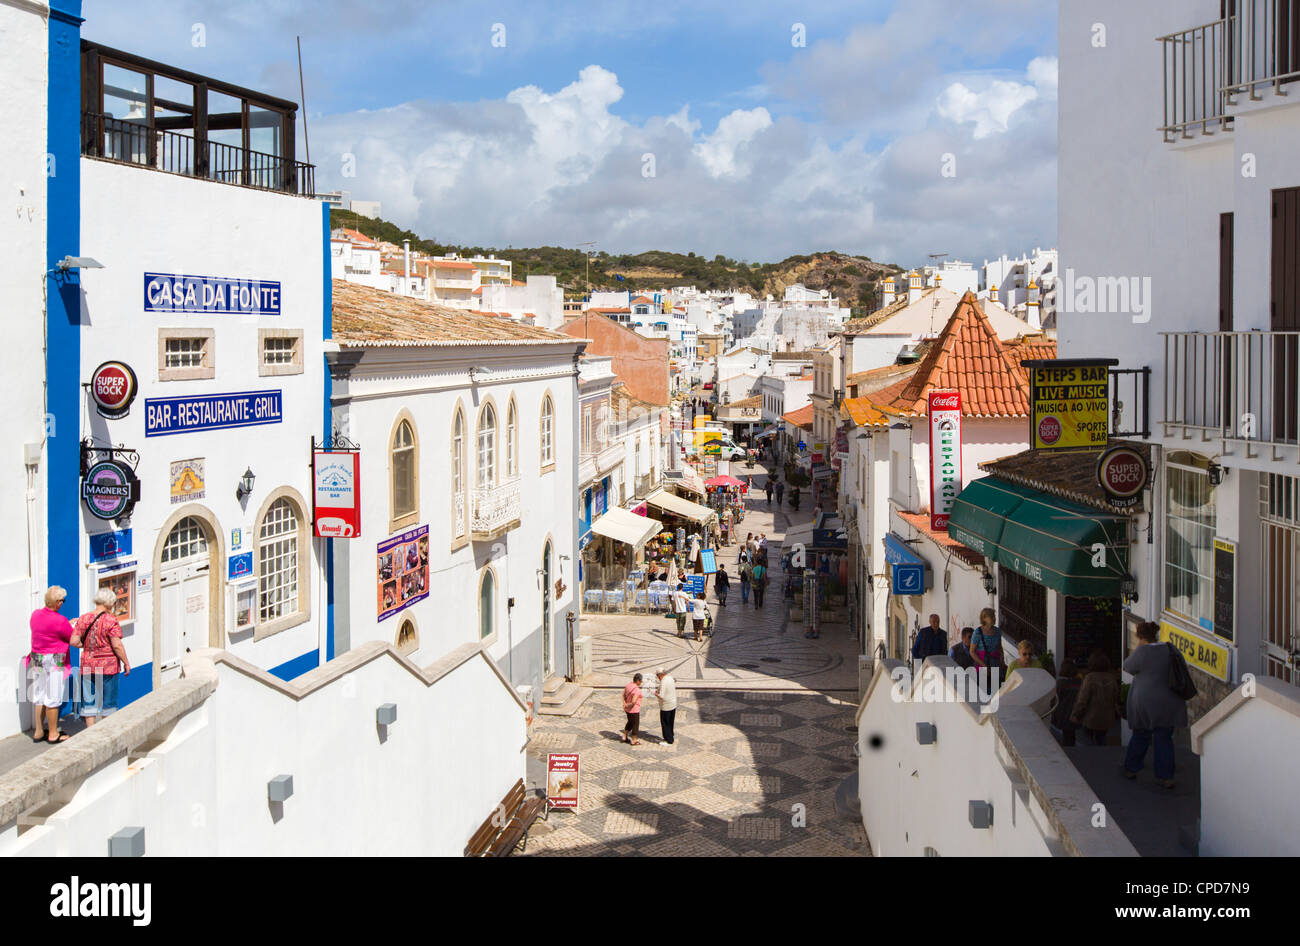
<point x="452" y="264"/>
<point x="1028" y="347"/>
<point x="862" y="413"/>
<point x="354" y="236"/>
<point x="800" y="418"/>
<point x="599" y="309"/>
<point x="920" y="521"/>
<point x="969" y="357"/>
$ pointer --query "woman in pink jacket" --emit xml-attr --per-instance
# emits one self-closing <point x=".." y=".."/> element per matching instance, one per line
<point x="48" y="665"/>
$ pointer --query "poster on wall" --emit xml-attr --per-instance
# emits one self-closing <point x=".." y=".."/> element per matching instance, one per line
<point x="121" y="584"/>
<point x="944" y="408"/>
<point x="402" y="571"/>
<point x="336" y="497"/>
<point x="187" y="480"/>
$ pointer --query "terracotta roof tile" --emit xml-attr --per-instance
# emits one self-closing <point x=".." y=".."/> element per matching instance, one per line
<point x="920" y="521"/>
<point x="803" y="417"/>
<point x="969" y="357"/>
<point x="1069" y="474"/>
<point x="365" y="317"/>
<point x="452" y="264"/>
<point x="860" y="411"/>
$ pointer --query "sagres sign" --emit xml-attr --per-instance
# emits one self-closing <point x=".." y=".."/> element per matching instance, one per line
<point x="944" y="408"/>
<point x="1071" y="404"/>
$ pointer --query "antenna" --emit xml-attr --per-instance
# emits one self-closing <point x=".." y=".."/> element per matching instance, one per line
<point x="302" y="90"/>
<point x="586" y="315"/>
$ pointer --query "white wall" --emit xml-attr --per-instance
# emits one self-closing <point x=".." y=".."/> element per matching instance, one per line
<point x="23" y="76"/>
<point x="136" y="220"/>
<point x="915" y="797"/>
<point x="423" y="789"/>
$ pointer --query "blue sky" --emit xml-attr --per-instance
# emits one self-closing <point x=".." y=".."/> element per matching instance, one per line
<point x="899" y="127"/>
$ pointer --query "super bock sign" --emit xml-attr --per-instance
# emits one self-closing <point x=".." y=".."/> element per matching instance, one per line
<point x="944" y="408"/>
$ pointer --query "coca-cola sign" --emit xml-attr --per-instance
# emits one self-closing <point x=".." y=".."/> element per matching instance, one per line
<point x="113" y="387"/>
<point x="1122" y="473"/>
<point x="944" y="408"/>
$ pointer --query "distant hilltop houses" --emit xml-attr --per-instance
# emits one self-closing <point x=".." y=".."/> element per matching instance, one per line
<point x="1024" y="286"/>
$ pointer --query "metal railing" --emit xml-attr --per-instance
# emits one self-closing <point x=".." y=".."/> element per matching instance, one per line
<point x="1233" y="386"/>
<point x="1194" y="80"/>
<point x="495" y="508"/>
<point x="1261" y="47"/>
<point x="644" y="484"/>
<point x="1205" y="67"/>
<point x="132" y="142"/>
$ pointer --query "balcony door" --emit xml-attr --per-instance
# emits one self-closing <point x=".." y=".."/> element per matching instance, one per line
<point x="1285" y="311"/>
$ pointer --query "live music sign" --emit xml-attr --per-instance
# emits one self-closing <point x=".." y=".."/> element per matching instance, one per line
<point x="944" y="410"/>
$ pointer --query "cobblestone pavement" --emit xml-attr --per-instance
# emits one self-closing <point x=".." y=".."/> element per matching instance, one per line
<point x="763" y="738"/>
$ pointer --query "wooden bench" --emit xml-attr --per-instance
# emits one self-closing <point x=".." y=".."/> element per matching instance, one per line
<point x="506" y="829"/>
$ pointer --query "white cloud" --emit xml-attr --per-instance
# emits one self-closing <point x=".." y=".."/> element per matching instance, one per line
<point x="989" y="110"/>
<point x="718" y="150"/>
<point x="1042" y="72"/>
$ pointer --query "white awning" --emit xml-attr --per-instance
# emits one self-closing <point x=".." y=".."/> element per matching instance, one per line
<point x="627" y="527"/>
<point x="680" y="507"/>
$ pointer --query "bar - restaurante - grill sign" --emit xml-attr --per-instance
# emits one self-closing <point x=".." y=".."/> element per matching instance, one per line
<point x="944" y="409"/>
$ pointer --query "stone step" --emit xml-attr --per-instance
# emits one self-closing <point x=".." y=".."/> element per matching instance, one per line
<point x="553" y="683"/>
<point x="577" y="698"/>
<point x="558" y="697"/>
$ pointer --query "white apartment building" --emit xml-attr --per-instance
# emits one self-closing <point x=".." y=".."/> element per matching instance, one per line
<point x="540" y="297"/>
<point x="1025" y="284"/>
<point x="953" y="275"/>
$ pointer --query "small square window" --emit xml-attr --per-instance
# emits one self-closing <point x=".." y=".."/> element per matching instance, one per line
<point x="186" y="354"/>
<point x="279" y="351"/>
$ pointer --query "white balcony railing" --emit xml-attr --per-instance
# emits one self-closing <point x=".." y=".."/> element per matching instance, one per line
<point x="495" y="509"/>
<point x="1262" y="46"/>
<point x="1237" y="387"/>
<point x="458" y="516"/>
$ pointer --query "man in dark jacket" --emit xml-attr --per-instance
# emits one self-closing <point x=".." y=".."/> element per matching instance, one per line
<point x="930" y="641"/>
<point x="960" y="652"/>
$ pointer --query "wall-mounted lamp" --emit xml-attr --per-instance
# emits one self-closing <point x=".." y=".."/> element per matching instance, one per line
<point x="245" y="486"/>
<point x="476" y="372"/>
<point x="1128" y="589"/>
<point x="1216" y="473"/>
<point x="990" y="583"/>
<point x="77" y="262"/>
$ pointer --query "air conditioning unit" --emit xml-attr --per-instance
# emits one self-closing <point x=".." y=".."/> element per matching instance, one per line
<point x="581" y="657"/>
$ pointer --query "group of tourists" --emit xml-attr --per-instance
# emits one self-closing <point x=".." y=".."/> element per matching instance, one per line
<point x="753" y="569"/>
<point x="1089" y="699"/>
<point x="633" y="696"/>
<point x="49" y="664"/>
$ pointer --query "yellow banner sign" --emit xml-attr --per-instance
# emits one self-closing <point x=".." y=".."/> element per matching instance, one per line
<point x="1071" y="406"/>
<point x="1199" y="652"/>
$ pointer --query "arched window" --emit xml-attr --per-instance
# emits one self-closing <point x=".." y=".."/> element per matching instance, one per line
<point x="512" y="450"/>
<point x="278" y="563"/>
<point x="548" y="431"/>
<point x="487" y="443"/>
<point x="487" y="596"/>
<point x="458" y="473"/>
<point x="404" y="468"/>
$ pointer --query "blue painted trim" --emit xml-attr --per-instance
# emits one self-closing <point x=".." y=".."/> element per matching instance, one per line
<point x="298" y="666"/>
<point x="63" y="300"/>
<point x="138" y="684"/>
<point x="327" y="428"/>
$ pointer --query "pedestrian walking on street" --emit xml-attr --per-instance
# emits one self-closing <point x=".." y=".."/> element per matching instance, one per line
<point x="745" y="570"/>
<point x="1154" y="709"/>
<point x="758" y="579"/>
<point x="1096" y="708"/>
<point x="769" y="489"/>
<point x="103" y="658"/>
<point x="632" y="697"/>
<point x="48" y="665"/>
<point x="961" y="653"/>
<point x="699" y="615"/>
<point x="931" y="641"/>
<point x="681" y="605"/>
<point x="780" y="491"/>
<point x="721" y="585"/>
<point x="667" y="695"/>
<point x="986" y="647"/>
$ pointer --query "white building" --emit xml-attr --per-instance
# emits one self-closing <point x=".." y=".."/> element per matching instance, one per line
<point x="465" y="424"/>
<point x="1025" y="283"/>
<point x="540" y="297"/>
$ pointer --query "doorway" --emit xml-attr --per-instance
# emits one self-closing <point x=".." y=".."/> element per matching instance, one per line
<point x="184" y="592"/>
<point x="547" y="659"/>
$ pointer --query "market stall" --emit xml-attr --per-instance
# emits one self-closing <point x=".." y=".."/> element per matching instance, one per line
<point x="726" y="496"/>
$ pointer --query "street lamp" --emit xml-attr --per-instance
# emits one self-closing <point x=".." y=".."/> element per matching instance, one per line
<point x="245" y="486"/>
<point x="990" y="584"/>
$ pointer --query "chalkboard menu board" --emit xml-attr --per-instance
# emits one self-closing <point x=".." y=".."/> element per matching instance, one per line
<point x="1225" y="559"/>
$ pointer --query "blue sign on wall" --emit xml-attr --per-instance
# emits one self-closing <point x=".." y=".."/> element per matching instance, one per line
<point x="908" y="579"/>
<point x="708" y="561"/>
<point x="210" y="295"/>
<point x="695" y="585"/>
<point x="241" y="566"/>
<point x="109" y="545"/>
<point x="181" y="415"/>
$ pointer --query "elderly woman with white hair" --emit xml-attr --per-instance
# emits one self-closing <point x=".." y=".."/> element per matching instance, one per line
<point x="48" y="665"/>
<point x="99" y="636"/>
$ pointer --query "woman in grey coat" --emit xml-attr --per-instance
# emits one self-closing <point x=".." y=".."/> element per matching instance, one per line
<point x="1154" y="710"/>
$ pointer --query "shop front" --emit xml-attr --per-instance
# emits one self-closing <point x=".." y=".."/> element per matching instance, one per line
<point x="1062" y="568"/>
<point x="614" y="560"/>
<point x="726" y="497"/>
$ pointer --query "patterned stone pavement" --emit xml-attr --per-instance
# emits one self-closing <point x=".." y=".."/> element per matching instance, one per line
<point x="763" y="738"/>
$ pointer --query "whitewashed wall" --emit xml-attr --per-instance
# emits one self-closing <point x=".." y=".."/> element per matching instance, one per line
<point x="23" y="77"/>
<point x="420" y="788"/>
<point x="137" y="220"/>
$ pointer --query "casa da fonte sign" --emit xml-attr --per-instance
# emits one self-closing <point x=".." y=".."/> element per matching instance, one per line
<point x="181" y="415"/>
<point x="210" y="295"/>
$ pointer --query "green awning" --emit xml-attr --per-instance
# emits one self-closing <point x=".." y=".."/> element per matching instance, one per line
<point x="1062" y="545"/>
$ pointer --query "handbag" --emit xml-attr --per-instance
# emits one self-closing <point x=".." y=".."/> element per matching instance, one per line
<point x="1180" y="678"/>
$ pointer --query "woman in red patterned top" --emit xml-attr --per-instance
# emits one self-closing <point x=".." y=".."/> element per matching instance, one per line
<point x="99" y="636"/>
